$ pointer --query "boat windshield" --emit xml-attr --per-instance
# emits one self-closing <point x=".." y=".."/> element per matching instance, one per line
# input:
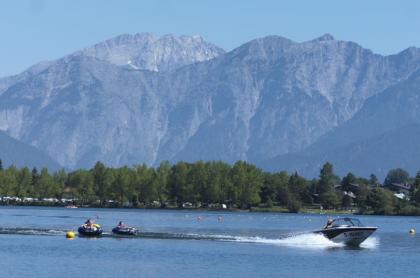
<point x="346" y="222"/>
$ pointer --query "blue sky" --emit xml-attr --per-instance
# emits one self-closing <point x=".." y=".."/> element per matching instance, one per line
<point x="36" y="30"/>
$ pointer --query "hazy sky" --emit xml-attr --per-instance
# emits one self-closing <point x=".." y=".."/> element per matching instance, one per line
<point x="35" y="30"/>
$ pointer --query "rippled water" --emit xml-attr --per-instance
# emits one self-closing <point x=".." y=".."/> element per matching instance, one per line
<point x="200" y="244"/>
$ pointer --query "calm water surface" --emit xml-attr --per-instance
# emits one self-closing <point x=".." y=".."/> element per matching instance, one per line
<point x="196" y="244"/>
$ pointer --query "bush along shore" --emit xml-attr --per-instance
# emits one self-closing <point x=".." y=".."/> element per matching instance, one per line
<point x="212" y="185"/>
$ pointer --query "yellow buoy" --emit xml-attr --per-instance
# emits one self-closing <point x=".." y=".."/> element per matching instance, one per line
<point x="412" y="231"/>
<point x="70" y="235"/>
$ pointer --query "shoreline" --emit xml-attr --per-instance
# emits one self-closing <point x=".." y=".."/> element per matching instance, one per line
<point x="279" y="210"/>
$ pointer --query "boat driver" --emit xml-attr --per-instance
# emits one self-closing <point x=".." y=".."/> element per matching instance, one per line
<point x="329" y="223"/>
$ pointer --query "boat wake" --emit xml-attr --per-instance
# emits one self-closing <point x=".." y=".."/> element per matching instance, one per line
<point x="308" y="240"/>
<point x="302" y="240"/>
<point x="370" y="242"/>
<point x="31" y="231"/>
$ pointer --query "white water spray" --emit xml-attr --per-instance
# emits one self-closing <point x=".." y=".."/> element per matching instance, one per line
<point x="301" y="241"/>
<point x="370" y="242"/>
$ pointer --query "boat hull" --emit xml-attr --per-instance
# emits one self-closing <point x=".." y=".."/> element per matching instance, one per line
<point x="352" y="236"/>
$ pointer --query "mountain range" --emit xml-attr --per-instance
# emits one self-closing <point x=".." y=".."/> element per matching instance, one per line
<point x="281" y="104"/>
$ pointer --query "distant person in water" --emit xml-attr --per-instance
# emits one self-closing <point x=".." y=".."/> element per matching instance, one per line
<point x="329" y="223"/>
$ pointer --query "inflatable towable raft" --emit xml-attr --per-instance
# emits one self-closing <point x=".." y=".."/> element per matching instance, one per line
<point x="128" y="231"/>
<point x="93" y="230"/>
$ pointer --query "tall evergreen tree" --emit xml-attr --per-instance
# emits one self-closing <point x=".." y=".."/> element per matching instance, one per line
<point x="327" y="195"/>
<point x="326" y="178"/>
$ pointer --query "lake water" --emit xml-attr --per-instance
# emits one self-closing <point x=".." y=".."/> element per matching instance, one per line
<point x="197" y="244"/>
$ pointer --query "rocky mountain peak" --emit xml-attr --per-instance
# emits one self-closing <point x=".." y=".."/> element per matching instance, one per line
<point x="325" y="37"/>
<point x="145" y="51"/>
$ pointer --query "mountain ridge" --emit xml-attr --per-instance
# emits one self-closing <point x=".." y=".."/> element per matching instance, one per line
<point x="266" y="98"/>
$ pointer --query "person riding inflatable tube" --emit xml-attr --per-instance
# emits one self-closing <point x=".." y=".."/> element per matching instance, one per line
<point x="90" y="230"/>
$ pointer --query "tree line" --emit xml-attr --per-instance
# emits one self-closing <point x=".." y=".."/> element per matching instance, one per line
<point x="212" y="184"/>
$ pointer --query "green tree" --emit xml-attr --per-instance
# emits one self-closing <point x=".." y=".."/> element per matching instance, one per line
<point x="47" y="186"/>
<point x="347" y="181"/>
<point x="373" y="180"/>
<point x="396" y="176"/>
<point x="161" y="181"/>
<point x="102" y="180"/>
<point x="24" y="181"/>
<point x="144" y="185"/>
<point x="34" y="181"/>
<point x="82" y="183"/>
<point x="294" y="206"/>
<point x="213" y="191"/>
<point x="60" y="179"/>
<point x="346" y="201"/>
<point x="299" y="188"/>
<point x="222" y="187"/>
<point x="9" y="181"/>
<point x="416" y="188"/>
<point x="268" y="190"/>
<point x="329" y="200"/>
<point x="275" y="188"/>
<point x="248" y="180"/>
<point x="122" y="191"/>
<point x="326" y="179"/>
<point x="179" y="183"/>
<point x="361" y="197"/>
<point x="381" y="201"/>
<point x="198" y="183"/>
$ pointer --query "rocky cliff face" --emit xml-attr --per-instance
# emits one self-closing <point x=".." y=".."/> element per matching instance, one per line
<point x="382" y="135"/>
<point x="183" y="98"/>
